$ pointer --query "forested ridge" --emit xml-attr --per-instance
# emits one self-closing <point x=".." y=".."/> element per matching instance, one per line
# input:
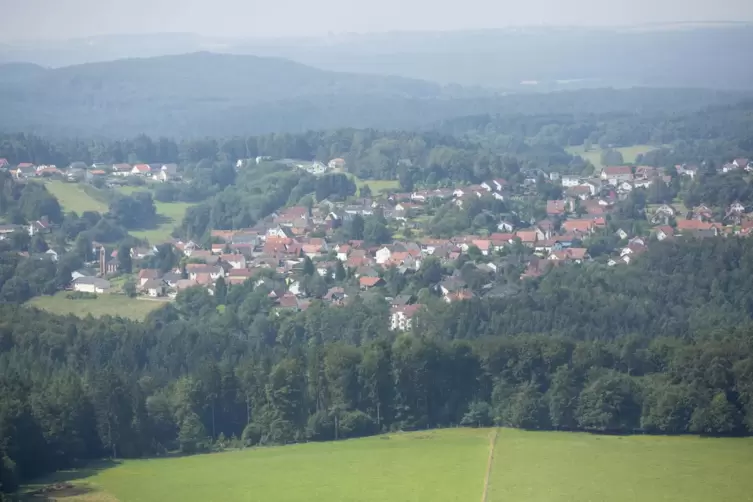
<point x="199" y="94"/>
<point x="664" y="346"/>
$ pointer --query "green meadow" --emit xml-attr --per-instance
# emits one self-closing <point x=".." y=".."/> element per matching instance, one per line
<point x="376" y="186"/>
<point x="72" y="197"/>
<point x="629" y="153"/>
<point x="438" y="466"/>
<point x="576" y="467"/>
<point x="105" y="304"/>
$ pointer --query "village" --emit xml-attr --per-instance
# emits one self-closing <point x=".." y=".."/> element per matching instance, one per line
<point x="275" y="252"/>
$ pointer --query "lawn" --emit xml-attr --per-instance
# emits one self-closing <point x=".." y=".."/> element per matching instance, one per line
<point x="629" y="153"/>
<point x="105" y="304"/>
<point x="376" y="186"/>
<point x="570" y="467"/>
<point x="439" y="466"/>
<point x="73" y="198"/>
<point x="170" y="215"/>
<point x="432" y="466"/>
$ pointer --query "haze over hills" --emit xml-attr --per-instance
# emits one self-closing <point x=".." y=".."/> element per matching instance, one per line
<point x="708" y="55"/>
<point x="221" y="94"/>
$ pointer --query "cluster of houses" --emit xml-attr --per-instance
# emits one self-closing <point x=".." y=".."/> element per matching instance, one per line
<point x="283" y="241"/>
<point x="79" y="171"/>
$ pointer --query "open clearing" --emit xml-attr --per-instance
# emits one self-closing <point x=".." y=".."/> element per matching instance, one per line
<point x="376" y="186"/>
<point x="575" y="467"/>
<point x="73" y="198"/>
<point x="629" y="153"/>
<point x="104" y="304"/>
<point x="444" y="465"/>
<point x="170" y="215"/>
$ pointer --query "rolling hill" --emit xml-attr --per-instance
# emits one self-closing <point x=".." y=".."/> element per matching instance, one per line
<point x="205" y="94"/>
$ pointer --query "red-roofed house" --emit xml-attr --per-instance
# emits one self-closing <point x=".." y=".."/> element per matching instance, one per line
<point x="401" y="318"/>
<point x="582" y="226"/>
<point x="4" y="163"/>
<point x="142" y="169"/>
<point x="369" y="282"/>
<point x="617" y="174"/>
<point x="555" y="207"/>
<point x="664" y="232"/>
<point x="693" y="225"/>
<point x="577" y="255"/>
<point x="527" y="237"/>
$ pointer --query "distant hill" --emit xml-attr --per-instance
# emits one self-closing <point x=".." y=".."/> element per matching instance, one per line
<point x="199" y="93"/>
<point x="699" y="55"/>
<point x="205" y="94"/>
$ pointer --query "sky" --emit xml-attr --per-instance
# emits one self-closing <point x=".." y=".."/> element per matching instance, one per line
<point x="61" y="19"/>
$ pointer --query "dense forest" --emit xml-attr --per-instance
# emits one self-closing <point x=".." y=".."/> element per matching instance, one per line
<point x="663" y="346"/>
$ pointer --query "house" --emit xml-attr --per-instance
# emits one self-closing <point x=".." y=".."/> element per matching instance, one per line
<point x="41" y="226"/>
<point x="155" y="287"/>
<point x="167" y="172"/>
<point x="197" y="270"/>
<point x="24" y="170"/>
<point x="527" y="237"/>
<point x="570" y="180"/>
<point x="121" y="169"/>
<point x="383" y="255"/>
<point x="239" y="275"/>
<point x="664" y="232"/>
<point x="621" y="234"/>
<point x="555" y="207"/>
<point x="369" y="282"/>
<point x="236" y="261"/>
<point x="582" y="226"/>
<point x="336" y="163"/>
<point x="91" y="285"/>
<point x="686" y="170"/>
<point x="688" y="227"/>
<point x="616" y="174"/>
<point x="401" y="317"/>
<point x="577" y="255"/>
<point x="7" y="230"/>
<point x="483" y="245"/>
<point x="142" y="170"/>
<point x="741" y="163"/>
<point x="4" y="164"/>
<point x="148" y="274"/>
<point x="662" y="214"/>
<point x="460" y="295"/>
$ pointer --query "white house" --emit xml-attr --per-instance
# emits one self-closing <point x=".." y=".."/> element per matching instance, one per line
<point x="167" y="172"/>
<point x="401" y="317"/>
<point x="617" y="174"/>
<point x="383" y="255"/>
<point x="570" y="180"/>
<point x="91" y="285"/>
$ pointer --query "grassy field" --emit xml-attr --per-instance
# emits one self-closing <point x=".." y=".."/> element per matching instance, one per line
<point x="170" y="214"/>
<point x="105" y="304"/>
<point x="376" y="186"/>
<point x="438" y="466"/>
<point x="629" y="153"/>
<point x="570" y="467"/>
<point x="73" y="198"/>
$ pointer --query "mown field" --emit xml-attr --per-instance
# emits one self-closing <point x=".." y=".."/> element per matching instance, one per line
<point x="73" y="198"/>
<point x="629" y="153"/>
<point x="104" y="304"/>
<point x="376" y="186"/>
<point x="573" y="467"/>
<point x="444" y="465"/>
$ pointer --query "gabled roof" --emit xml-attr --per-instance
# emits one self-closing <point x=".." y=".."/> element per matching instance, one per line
<point x="617" y="170"/>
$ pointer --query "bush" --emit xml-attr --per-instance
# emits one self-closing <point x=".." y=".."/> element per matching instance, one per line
<point x="81" y="295"/>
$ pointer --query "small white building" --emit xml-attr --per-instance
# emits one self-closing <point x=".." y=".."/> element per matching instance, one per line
<point x="91" y="285"/>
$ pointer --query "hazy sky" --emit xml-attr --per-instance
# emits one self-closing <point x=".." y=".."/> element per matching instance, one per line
<point x="51" y="19"/>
